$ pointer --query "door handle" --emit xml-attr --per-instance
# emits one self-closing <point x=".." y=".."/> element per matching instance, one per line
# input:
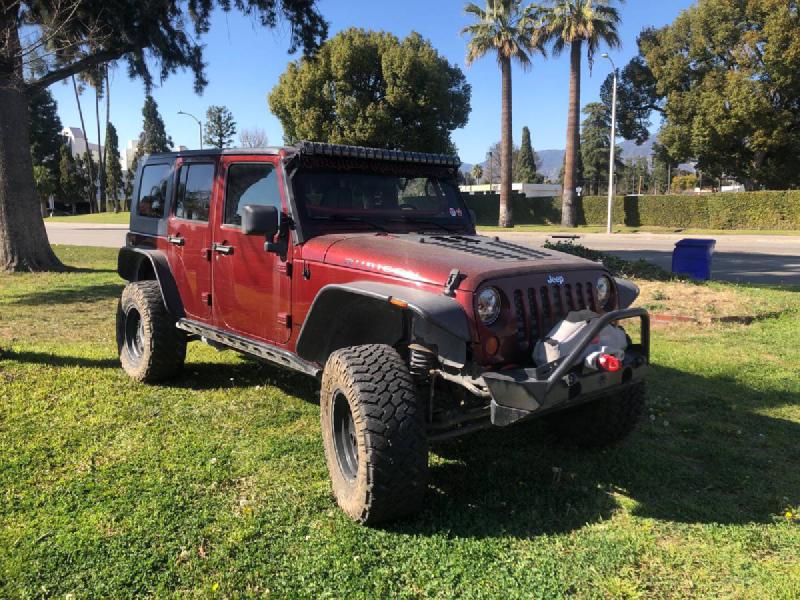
<point x="222" y="249"/>
<point x="177" y="240"/>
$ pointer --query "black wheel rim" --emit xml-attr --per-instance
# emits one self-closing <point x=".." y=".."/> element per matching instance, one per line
<point x="134" y="333"/>
<point x="344" y="436"/>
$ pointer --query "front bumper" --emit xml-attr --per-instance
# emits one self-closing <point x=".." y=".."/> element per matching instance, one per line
<point x="521" y="393"/>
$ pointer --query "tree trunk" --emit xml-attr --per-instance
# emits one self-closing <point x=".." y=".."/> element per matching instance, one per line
<point x="23" y="239"/>
<point x="114" y="192"/>
<point x="101" y="173"/>
<point x="89" y="163"/>
<point x="573" y="138"/>
<point x="506" y="206"/>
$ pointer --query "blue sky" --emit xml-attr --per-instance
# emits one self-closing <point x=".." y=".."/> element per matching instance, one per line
<point x="245" y="61"/>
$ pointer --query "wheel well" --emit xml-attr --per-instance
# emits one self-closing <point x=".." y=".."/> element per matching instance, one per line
<point x="145" y="271"/>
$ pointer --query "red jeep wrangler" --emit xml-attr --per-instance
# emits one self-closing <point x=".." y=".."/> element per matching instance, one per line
<point x="362" y="267"/>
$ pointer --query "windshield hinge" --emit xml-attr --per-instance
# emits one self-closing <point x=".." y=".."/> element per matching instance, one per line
<point x="453" y="281"/>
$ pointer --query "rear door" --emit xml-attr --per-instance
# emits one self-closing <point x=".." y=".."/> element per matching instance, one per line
<point x="189" y="235"/>
<point x="252" y="287"/>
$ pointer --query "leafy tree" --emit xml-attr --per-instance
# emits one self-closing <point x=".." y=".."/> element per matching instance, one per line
<point x="568" y="24"/>
<point x="728" y="75"/>
<point x="68" y="178"/>
<point x="503" y="28"/>
<point x="253" y="137"/>
<point x="86" y="181"/>
<point x="76" y="37"/>
<point x="45" y="185"/>
<point x="153" y="138"/>
<point x="595" y="147"/>
<point x="113" y="178"/>
<point x="525" y="171"/>
<point x="493" y="165"/>
<point x="220" y="127"/>
<point x="370" y="88"/>
<point x="46" y="138"/>
<point x="636" y="100"/>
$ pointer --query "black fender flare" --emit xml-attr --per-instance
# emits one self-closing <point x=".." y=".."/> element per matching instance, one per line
<point x="367" y="312"/>
<point x="137" y="264"/>
<point x="627" y="292"/>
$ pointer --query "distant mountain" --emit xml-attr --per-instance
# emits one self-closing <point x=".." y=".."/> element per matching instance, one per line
<point x="551" y="161"/>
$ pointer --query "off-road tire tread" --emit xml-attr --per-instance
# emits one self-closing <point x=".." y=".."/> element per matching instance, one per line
<point x="391" y="419"/>
<point x="166" y="354"/>
<point x="602" y="422"/>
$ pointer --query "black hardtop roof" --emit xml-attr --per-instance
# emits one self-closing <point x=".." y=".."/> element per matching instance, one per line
<point x="323" y="149"/>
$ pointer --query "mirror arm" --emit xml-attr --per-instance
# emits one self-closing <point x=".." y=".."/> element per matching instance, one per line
<point x="280" y="247"/>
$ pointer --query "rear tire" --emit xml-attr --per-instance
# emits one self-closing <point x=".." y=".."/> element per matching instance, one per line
<point x="374" y="435"/>
<point x="601" y="422"/>
<point x="151" y="348"/>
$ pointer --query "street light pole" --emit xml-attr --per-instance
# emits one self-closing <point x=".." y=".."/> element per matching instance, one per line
<point x="199" y="124"/>
<point x="613" y="144"/>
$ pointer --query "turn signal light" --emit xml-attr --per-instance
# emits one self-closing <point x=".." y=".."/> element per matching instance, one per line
<point x="609" y="363"/>
<point x="491" y="346"/>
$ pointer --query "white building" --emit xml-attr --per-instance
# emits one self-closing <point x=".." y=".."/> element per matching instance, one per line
<point x="77" y="143"/>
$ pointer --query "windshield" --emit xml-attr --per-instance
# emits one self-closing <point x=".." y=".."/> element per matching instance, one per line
<point x="351" y="196"/>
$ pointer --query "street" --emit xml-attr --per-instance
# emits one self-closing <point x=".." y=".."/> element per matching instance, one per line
<point x="757" y="259"/>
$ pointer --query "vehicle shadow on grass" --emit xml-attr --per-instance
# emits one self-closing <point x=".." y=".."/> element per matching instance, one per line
<point x="68" y="295"/>
<point x="708" y="457"/>
<point x="247" y="372"/>
<point x="57" y="360"/>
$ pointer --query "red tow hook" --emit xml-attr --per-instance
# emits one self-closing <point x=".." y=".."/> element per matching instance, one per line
<point x="608" y="362"/>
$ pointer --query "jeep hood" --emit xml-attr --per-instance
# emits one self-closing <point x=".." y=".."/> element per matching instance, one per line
<point x="429" y="258"/>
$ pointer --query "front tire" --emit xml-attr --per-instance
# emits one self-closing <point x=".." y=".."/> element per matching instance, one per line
<point x="373" y="431"/>
<point x="151" y="348"/>
<point x="602" y="422"/>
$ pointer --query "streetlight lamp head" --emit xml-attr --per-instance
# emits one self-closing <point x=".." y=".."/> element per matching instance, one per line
<point x="604" y="55"/>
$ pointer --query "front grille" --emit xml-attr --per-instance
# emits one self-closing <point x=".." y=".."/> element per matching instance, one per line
<point x="538" y="309"/>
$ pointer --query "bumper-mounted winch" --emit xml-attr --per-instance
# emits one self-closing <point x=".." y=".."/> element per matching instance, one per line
<point x="519" y="393"/>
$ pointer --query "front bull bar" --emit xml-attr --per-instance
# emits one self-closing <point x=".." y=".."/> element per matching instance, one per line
<point x="517" y="394"/>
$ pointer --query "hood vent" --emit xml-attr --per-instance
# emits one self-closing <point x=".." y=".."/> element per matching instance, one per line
<point x="483" y="246"/>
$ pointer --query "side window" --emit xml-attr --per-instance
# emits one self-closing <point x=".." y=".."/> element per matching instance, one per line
<point x="153" y="191"/>
<point x="250" y="183"/>
<point x="194" y="192"/>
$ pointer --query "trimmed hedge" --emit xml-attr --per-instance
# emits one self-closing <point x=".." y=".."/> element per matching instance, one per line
<point x="744" y="210"/>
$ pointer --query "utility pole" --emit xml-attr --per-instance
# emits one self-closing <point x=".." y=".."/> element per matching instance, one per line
<point x="613" y="144"/>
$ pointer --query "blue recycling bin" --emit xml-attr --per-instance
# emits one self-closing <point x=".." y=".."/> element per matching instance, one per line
<point x="692" y="257"/>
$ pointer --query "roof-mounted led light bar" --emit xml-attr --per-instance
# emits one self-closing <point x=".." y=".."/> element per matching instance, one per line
<point x="360" y="152"/>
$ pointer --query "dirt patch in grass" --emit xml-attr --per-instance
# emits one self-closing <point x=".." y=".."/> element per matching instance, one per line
<point x="677" y="301"/>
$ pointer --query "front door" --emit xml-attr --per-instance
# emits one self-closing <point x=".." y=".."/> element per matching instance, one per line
<point x="252" y="287"/>
<point x="189" y="236"/>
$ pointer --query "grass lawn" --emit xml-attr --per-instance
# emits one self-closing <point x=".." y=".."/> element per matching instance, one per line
<point x="623" y="229"/>
<point x="215" y="485"/>
<point x="106" y="218"/>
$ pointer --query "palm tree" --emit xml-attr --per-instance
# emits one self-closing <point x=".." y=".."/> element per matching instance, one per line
<point x="85" y="137"/>
<point x="567" y="24"/>
<point x="507" y="29"/>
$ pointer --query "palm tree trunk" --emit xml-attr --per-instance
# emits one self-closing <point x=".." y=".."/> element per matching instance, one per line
<point x="23" y="238"/>
<point x="89" y="163"/>
<point x="568" y="195"/>
<point x="114" y="199"/>
<point x="506" y="207"/>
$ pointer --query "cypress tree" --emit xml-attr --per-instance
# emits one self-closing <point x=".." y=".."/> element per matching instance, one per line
<point x="526" y="160"/>
<point x="113" y="179"/>
<point x="153" y="138"/>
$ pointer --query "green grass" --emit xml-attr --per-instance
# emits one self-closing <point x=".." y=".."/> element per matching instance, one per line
<point x="215" y="485"/>
<point x="581" y="229"/>
<point x="106" y="218"/>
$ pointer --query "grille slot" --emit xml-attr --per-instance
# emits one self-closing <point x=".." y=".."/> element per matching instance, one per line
<point x="538" y="309"/>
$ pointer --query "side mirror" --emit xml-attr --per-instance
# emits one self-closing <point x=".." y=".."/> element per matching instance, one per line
<point x="260" y="220"/>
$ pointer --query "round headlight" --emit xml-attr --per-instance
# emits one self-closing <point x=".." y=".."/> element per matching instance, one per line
<point x="603" y="290"/>
<point x="488" y="305"/>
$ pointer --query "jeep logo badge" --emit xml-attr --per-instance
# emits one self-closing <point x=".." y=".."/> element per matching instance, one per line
<point x="555" y="280"/>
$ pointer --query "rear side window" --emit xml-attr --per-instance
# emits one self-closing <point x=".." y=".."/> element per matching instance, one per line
<point x="194" y="192"/>
<point x="250" y="183"/>
<point x="153" y="191"/>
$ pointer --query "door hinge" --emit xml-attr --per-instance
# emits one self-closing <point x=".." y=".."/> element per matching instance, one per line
<point x="205" y="297"/>
<point x="285" y="319"/>
<point x="206" y="253"/>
